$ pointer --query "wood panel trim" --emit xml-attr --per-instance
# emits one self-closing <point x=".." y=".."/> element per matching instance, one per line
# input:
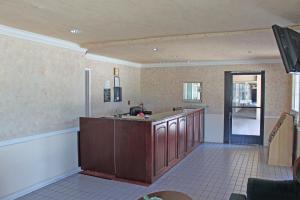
<point x="169" y="124"/>
<point x="160" y="126"/>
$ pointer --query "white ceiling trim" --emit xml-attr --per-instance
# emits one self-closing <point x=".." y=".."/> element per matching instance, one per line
<point x="18" y="33"/>
<point x="112" y="60"/>
<point x="213" y="63"/>
<point x="26" y="35"/>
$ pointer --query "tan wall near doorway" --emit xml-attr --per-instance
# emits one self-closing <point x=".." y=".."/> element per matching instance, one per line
<point x="161" y="89"/>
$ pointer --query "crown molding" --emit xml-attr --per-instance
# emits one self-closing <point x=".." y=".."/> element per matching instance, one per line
<point x="112" y="60"/>
<point x="22" y="34"/>
<point x="18" y="33"/>
<point x="213" y="63"/>
<point x="26" y="35"/>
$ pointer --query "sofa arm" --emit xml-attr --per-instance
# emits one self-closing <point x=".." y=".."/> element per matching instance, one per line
<point x="274" y="190"/>
<point x="237" y="197"/>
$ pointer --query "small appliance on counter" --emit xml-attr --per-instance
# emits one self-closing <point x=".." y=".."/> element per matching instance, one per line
<point x="135" y="110"/>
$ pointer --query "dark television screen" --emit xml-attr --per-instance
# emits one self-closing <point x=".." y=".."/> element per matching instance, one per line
<point x="288" y="42"/>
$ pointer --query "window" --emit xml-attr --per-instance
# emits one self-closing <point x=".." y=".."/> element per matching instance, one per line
<point x="192" y="91"/>
<point x="295" y="92"/>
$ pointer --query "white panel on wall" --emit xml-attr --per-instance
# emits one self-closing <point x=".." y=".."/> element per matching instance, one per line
<point x="214" y="124"/>
<point x="29" y="165"/>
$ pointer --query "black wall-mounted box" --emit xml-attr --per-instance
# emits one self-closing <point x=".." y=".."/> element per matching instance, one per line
<point x="117" y="94"/>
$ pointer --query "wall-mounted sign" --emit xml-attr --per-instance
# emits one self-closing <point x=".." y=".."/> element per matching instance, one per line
<point x="107" y="92"/>
<point x="116" y="71"/>
<point x="117" y="81"/>
<point x="107" y="95"/>
<point x="117" y="86"/>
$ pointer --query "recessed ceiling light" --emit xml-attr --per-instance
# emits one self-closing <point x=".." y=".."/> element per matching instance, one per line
<point x="75" y="31"/>
<point x="155" y="49"/>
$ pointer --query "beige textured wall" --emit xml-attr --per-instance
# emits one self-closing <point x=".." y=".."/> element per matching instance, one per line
<point x="42" y="87"/>
<point x="161" y="88"/>
<point x="130" y="83"/>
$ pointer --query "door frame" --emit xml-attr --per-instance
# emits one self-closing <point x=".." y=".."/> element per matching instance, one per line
<point x="228" y="81"/>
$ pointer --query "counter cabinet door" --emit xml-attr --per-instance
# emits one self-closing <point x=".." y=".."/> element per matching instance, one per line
<point x="189" y="132"/>
<point x="172" y="141"/>
<point x="196" y="128"/>
<point x="181" y="136"/>
<point x="160" y="148"/>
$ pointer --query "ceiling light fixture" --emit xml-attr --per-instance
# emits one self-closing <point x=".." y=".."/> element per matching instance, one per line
<point x="155" y="49"/>
<point x="75" y="31"/>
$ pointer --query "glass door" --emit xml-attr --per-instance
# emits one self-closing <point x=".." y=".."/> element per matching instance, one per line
<point x="245" y="109"/>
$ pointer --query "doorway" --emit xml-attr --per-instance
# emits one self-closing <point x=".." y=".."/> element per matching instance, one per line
<point x="244" y="107"/>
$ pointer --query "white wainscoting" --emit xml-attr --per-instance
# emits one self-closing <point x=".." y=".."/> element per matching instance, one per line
<point x="214" y="128"/>
<point x="30" y="163"/>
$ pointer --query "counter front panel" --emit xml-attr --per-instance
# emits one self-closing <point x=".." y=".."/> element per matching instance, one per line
<point x="136" y="149"/>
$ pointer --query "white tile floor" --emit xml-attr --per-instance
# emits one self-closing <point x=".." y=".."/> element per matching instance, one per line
<point x="212" y="171"/>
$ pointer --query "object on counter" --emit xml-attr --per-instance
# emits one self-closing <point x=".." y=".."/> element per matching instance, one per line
<point x="147" y="112"/>
<point x="133" y="111"/>
<point x="141" y="114"/>
<point x="177" y="108"/>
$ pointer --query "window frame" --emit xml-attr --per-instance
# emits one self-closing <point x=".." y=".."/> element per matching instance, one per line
<point x="295" y="104"/>
<point x="191" y="100"/>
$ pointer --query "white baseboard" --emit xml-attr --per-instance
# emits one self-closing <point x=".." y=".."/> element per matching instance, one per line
<point x="41" y="185"/>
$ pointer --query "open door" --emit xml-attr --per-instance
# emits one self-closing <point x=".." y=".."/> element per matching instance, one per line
<point x="244" y="107"/>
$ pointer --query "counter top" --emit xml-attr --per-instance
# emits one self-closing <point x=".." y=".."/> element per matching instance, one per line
<point x="159" y="116"/>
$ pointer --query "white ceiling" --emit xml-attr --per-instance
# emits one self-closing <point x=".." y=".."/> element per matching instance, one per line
<point x="242" y="45"/>
<point x="130" y="29"/>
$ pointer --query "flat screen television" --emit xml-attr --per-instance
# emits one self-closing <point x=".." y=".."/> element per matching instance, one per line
<point x="288" y="42"/>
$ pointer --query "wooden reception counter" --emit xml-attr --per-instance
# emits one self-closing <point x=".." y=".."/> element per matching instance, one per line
<point x="139" y="149"/>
